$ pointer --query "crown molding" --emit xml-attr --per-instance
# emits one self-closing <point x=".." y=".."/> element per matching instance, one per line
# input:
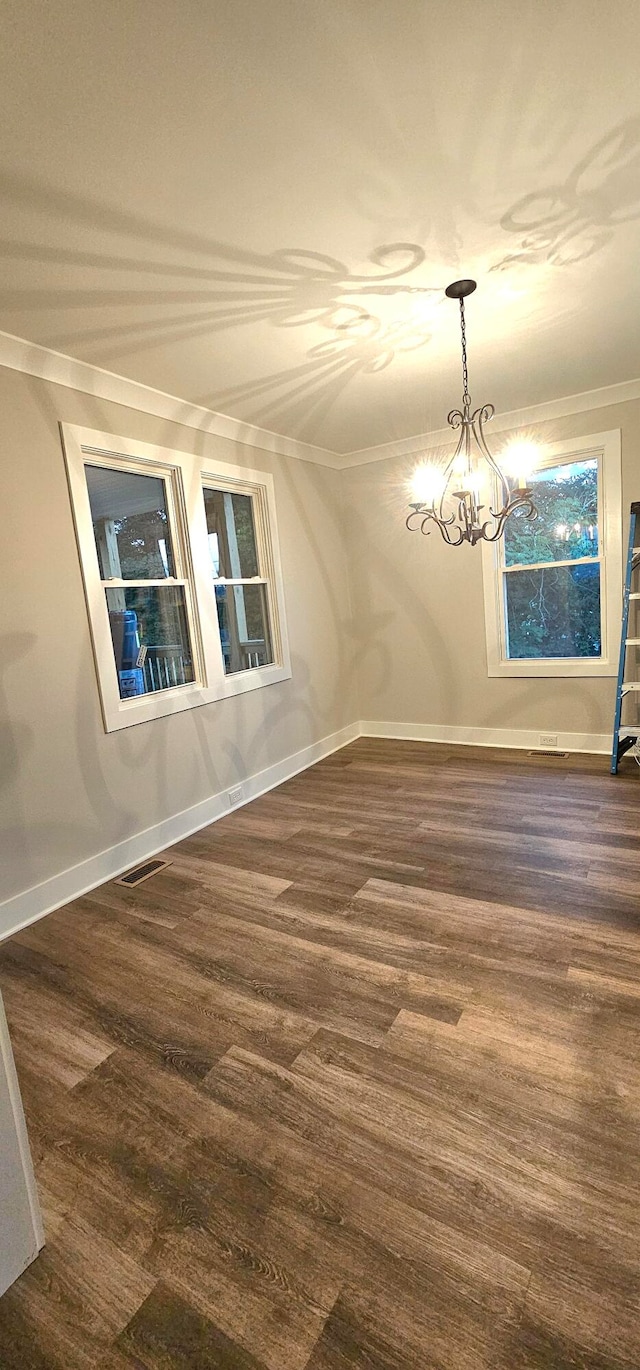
<point x="562" y="408"/>
<point x="20" y="355"/>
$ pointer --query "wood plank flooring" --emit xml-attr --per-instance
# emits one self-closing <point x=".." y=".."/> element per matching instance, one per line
<point x="354" y="1082"/>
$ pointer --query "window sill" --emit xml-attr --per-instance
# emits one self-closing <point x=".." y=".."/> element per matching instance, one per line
<point x="254" y="679"/>
<point x="143" y="708"/>
<point x="568" y="668"/>
<point x="126" y="713"/>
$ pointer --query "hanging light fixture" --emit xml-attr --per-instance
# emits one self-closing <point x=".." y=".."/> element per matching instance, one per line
<point x="450" y="496"/>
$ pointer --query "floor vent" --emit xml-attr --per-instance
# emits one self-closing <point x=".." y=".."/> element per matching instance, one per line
<point x="541" y="753"/>
<point x="140" y="873"/>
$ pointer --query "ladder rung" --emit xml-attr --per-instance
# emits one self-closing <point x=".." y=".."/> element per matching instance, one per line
<point x="626" y="737"/>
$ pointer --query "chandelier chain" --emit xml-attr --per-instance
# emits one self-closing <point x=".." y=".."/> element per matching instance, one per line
<point x="466" y="398"/>
<point x="459" y="498"/>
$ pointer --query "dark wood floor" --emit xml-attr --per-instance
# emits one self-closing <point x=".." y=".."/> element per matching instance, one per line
<point x="354" y="1082"/>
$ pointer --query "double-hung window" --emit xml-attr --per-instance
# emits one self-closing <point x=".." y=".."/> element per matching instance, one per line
<point x="235" y="536"/>
<point x="553" y="584"/>
<point x="182" y="576"/>
<point x="141" y="558"/>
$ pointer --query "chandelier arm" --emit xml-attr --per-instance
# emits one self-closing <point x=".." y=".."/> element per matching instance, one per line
<point x="427" y="517"/>
<point x="448" y="470"/>
<point x="497" y="533"/>
<point x="480" y="416"/>
<point x="484" y="413"/>
<point x="451" y="542"/>
<point x="506" y="513"/>
<point x="416" y="520"/>
<point x="422" y="511"/>
<point x="520" y="499"/>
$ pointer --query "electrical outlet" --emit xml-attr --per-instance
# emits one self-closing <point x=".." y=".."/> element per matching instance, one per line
<point x="236" y="795"/>
<point x="548" y="739"/>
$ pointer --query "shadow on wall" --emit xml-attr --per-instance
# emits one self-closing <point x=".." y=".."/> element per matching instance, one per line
<point x="247" y="747"/>
<point x="219" y="743"/>
<point x="99" y="815"/>
<point x="333" y="625"/>
<point x="586" y="710"/>
<point x="296" y="706"/>
<point x="16" y="743"/>
<point x="15" y="738"/>
<point x="408" y="599"/>
<point x="19" y="844"/>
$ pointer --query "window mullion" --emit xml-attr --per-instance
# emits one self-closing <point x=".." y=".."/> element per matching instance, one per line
<point x="117" y="584"/>
<point x="240" y="580"/>
<point x="544" y="565"/>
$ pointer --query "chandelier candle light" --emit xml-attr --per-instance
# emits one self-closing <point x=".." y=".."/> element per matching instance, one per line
<point x="450" y="495"/>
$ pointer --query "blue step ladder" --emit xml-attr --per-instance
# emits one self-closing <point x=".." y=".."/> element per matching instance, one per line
<point x="624" y="736"/>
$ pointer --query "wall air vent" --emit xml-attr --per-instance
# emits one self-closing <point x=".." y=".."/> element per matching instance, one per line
<point x="140" y="873"/>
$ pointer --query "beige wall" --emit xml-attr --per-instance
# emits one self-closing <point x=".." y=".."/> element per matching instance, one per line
<point x="67" y="789"/>
<point x="412" y="652"/>
<point x="419" y="611"/>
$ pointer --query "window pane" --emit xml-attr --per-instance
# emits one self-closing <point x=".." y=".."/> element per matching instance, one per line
<point x="232" y="535"/>
<point x="554" y="612"/>
<point x="130" y="524"/>
<point x="566" y="498"/>
<point x="150" y="638"/>
<point x="244" y="626"/>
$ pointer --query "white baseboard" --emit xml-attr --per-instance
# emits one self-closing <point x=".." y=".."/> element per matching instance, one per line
<point x="34" y="903"/>
<point x="519" y="738"/>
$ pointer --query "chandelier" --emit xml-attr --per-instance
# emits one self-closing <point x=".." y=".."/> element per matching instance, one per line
<point x="450" y="496"/>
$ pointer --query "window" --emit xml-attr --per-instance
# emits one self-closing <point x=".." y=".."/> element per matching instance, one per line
<point x="553" y="584"/>
<point x="241" y="591"/>
<point x="182" y="576"/>
<point x="138" y="552"/>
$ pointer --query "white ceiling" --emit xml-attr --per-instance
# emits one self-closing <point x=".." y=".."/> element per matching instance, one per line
<point x="256" y="204"/>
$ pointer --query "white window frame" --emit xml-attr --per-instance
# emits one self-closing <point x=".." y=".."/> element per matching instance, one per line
<point x="184" y="476"/>
<point x="251" y="484"/>
<point x="606" y="448"/>
<point x="260" y="485"/>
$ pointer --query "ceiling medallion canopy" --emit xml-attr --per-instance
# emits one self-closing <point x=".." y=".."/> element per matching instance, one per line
<point x="450" y="496"/>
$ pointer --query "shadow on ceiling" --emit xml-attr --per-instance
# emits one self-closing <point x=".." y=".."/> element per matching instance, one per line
<point x="568" y="222"/>
<point x="288" y="288"/>
<point x="558" y="225"/>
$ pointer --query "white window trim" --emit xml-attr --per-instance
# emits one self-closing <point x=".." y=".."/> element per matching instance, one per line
<point x="184" y="475"/>
<point x="259" y="484"/>
<point x="606" y="448"/>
